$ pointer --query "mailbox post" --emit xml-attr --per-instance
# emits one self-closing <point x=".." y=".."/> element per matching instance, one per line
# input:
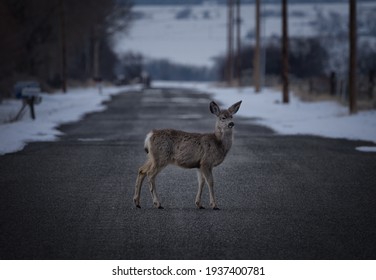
<point x="29" y="93"/>
<point x="99" y="83"/>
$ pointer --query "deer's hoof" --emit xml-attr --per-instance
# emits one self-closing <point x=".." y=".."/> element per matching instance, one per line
<point x="138" y="206"/>
<point x="160" y="207"/>
<point x="215" y="208"/>
<point x="201" y="207"/>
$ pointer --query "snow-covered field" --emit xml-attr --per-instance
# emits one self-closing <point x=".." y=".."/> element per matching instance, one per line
<point x="193" y="35"/>
<point x="326" y="119"/>
<point x="54" y="110"/>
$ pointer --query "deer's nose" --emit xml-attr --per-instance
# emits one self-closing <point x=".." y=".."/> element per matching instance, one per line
<point x="231" y="125"/>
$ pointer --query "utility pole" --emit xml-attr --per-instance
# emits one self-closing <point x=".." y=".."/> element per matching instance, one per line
<point x="63" y="47"/>
<point x="230" y="24"/>
<point x="96" y="51"/>
<point x="256" y="55"/>
<point x="353" y="55"/>
<point x="285" y="52"/>
<point x="238" y="44"/>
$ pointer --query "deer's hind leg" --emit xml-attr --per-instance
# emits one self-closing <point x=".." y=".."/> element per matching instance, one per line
<point x="152" y="173"/>
<point x="142" y="172"/>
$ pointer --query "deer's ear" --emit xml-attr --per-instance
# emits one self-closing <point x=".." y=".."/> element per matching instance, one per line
<point x="234" y="108"/>
<point x="214" y="108"/>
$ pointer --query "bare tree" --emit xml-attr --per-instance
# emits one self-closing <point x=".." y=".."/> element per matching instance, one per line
<point x="352" y="61"/>
<point x="238" y="43"/>
<point x="32" y="41"/>
<point x="285" y="52"/>
<point x="63" y="47"/>
<point x="256" y="56"/>
<point x="230" y="51"/>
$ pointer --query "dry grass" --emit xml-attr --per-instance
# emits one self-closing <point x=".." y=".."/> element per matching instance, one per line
<point x="302" y="91"/>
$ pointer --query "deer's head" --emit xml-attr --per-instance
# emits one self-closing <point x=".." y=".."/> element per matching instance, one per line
<point x="224" y="117"/>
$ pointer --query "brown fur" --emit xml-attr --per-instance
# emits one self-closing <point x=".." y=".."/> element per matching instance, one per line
<point x="188" y="150"/>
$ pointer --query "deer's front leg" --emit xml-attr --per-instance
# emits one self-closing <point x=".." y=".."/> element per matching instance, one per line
<point x="201" y="182"/>
<point x="208" y="175"/>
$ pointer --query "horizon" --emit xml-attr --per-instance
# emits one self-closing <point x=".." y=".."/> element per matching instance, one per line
<point x="223" y="2"/>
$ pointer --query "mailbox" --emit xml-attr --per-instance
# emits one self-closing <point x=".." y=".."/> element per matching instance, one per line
<point x="29" y="92"/>
<point x="20" y="86"/>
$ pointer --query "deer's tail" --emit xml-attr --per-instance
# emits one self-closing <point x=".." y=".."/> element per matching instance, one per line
<point x="147" y="142"/>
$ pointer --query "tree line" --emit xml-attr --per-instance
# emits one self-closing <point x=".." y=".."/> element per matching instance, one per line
<point x="323" y="58"/>
<point x="39" y="36"/>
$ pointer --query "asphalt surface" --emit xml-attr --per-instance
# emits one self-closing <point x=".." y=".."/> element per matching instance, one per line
<point x="281" y="197"/>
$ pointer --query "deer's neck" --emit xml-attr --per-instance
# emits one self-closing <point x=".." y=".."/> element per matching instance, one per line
<point x="225" y="137"/>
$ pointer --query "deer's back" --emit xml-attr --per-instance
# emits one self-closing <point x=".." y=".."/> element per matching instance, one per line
<point x="185" y="149"/>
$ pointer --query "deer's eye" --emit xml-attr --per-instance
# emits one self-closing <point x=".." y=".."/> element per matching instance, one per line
<point x="223" y="118"/>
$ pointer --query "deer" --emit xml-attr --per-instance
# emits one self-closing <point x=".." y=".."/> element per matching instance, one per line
<point x="202" y="151"/>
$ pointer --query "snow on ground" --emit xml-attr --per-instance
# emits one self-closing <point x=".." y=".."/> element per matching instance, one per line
<point x="54" y="110"/>
<point x="327" y="119"/>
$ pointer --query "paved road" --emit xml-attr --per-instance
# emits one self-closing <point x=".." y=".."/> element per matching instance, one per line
<point x="281" y="197"/>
